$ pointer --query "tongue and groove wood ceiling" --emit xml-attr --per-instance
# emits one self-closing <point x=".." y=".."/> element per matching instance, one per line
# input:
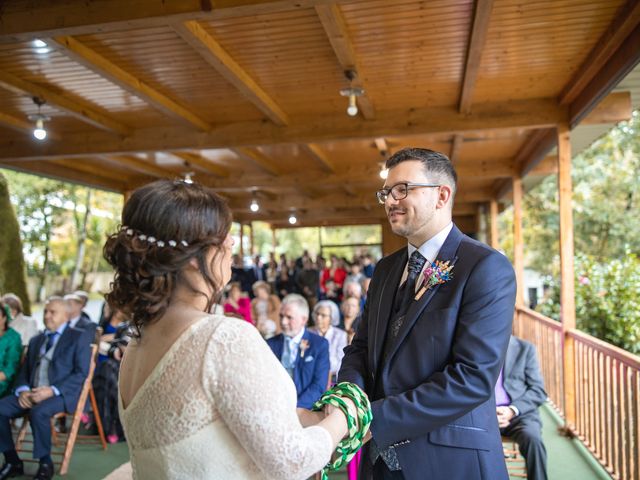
<point x="246" y="94"/>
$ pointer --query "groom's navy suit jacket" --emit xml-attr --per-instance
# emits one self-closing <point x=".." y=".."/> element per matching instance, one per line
<point x="311" y="371"/>
<point x="438" y="407"/>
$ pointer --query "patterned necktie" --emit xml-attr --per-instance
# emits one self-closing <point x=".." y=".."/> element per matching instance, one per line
<point x="408" y="289"/>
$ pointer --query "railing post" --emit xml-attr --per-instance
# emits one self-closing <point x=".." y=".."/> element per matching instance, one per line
<point x="518" y="242"/>
<point x="567" y="287"/>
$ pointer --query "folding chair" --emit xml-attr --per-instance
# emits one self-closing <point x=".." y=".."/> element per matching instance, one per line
<point x="63" y="457"/>
<point x="516" y="465"/>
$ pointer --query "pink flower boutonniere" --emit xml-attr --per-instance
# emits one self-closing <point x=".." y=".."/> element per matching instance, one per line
<point x="435" y="274"/>
<point x="304" y="344"/>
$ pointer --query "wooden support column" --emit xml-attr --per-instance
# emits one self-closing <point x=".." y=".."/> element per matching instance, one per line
<point x="567" y="286"/>
<point x="274" y="241"/>
<point x="518" y="242"/>
<point x="493" y="224"/>
<point x="242" y="242"/>
<point x="252" y="247"/>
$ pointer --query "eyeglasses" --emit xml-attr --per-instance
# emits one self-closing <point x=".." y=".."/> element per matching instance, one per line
<point x="400" y="190"/>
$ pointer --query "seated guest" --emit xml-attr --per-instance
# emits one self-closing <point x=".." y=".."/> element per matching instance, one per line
<point x="325" y="316"/>
<point x="49" y="382"/>
<point x="237" y="304"/>
<point x="84" y="296"/>
<point x="26" y="326"/>
<point x="354" y="289"/>
<point x="265" y="309"/>
<point x="350" y="316"/>
<point x="303" y="354"/>
<point x="109" y="327"/>
<point x="75" y="304"/>
<point x="519" y="392"/>
<point x="105" y="382"/>
<point x="10" y="350"/>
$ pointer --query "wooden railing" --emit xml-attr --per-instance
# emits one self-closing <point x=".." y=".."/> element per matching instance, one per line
<point x="606" y="391"/>
<point x="546" y="335"/>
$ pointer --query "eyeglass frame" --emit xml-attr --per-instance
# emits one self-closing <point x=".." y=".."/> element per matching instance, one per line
<point x="408" y="186"/>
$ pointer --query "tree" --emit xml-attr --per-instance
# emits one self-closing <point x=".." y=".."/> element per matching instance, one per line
<point x="12" y="266"/>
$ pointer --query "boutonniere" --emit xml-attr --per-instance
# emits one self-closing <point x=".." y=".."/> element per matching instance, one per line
<point x="435" y="274"/>
<point x="304" y="344"/>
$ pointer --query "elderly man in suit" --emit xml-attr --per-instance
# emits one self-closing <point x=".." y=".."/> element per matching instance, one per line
<point x="49" y="382"/>
<point x="519" y="392"/>
<point x="303" y="354"/>
<point x="433" y="335"/>
<point x="78" y="318"/>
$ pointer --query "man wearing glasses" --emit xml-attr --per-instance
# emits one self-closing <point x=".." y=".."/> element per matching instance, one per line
<point x="433" y="335"/>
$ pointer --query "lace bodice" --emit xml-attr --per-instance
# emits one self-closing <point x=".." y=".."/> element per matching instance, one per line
<point x="220" y="405"/>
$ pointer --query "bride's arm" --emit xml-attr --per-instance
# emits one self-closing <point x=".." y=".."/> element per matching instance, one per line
<point x="256" y="399"/>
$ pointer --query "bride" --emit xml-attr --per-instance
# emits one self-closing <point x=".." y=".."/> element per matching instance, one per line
<point x="201" y="395"/>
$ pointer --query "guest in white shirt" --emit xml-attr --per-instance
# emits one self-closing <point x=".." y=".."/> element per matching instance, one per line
<point x="325" y="315"/>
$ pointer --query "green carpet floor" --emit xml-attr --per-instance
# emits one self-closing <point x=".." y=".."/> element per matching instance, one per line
<point x="568" y="460"/>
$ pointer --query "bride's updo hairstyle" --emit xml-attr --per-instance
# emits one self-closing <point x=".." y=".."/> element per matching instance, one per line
<point x="165" y="224"/>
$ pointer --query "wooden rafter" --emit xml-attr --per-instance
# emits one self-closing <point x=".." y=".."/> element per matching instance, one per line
<point x="141" y="166"/>
<point x="626" y="20"/>
<point x="436" y="121"/>
<point x="477" y="39"/>
<point x="315" y="152"/>
<point x="24" y="21"/>
<point x="259" y="159"/>
<point x="203" y="164"/>
<point x="456" y="145"/>
<point x="212" y="52"/>
<point x="61" y="101"/>
<point x="336" y="28"/>
<point x="91" y="167"/>
<point x="102" y="66"/>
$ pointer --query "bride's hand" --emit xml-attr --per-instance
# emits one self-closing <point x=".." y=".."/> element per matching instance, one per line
<point x="308" y="418"/>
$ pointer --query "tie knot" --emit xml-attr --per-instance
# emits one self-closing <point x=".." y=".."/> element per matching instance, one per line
<point x="416" y="262"/>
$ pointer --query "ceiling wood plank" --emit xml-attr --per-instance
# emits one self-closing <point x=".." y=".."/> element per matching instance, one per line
<point x="617" y="67"/>
<point x="626" y="20"/>
<point x="314" y="151"/>
<point x="92" y="60"/>
<point x="203" y="164"/>
<point x="259" y="159"/>
<point x="93" y="168"/>
<point x="435" y="121"/>
<point x="78" y="109"/>
<point x="24" y="21"/>
<point x="141" y="166"/>
<point x="336" y="29"/>
<point x="216" y="56"/>
<point x="477" y="40"/>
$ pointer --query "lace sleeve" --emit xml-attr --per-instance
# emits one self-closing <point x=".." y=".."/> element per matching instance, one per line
<point x="257" y="400"/>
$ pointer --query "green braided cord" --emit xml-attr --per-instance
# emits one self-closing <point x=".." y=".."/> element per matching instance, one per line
<point x="357" y="427"/>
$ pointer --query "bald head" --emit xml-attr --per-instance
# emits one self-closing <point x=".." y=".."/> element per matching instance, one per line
<point x="56" y="313"/>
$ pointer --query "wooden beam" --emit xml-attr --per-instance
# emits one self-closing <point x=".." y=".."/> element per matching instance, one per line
<point x="494" y="239"/>
<point x="78" y="109"/>
<point x="547" y="166"/>
<point x="518" y="239"/>
<point x="567" y="279"/>
<point x="139" y="165"/>
<point x="24" y="21"/>
<point x="21" y="125"/>
<point x="435" y="121"/>
<point x="259" y="159"/>
<point x="625" y="21"/>
<point x="477" y="39"/>
<point x="203" y="164"/>
<point x="66" y="174"/>
<point x="314" y="151"/>
<point x="615" y="107"/>
<point x="456" y="145"/>
<point x="93" y="168"/>
<point x="617" y="67"/>
<point x="336" y="29"/>
<point x="95" y="62"/>
<point x="212" y="52"/>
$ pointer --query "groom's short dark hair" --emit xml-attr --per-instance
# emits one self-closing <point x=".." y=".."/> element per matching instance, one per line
<point x="434" y="163"/>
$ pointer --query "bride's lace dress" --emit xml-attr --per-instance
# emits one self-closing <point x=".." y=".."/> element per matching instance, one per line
<point x="219" y="405"/>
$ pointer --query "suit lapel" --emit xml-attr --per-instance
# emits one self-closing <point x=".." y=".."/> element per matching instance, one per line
<point x="512" y="353"/>
<point x="446" y="253"/>
<point x="385" y="304"/>
<point x="297" y="370"/>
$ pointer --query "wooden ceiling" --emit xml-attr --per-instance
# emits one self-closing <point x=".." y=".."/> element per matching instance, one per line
<point x="246" y="93"/>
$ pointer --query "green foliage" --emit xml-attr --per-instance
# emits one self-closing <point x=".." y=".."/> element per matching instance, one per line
<point x="607" y="300"/>
<point x="12" y="268"/>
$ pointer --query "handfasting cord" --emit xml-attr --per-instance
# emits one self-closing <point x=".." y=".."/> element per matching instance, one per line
<point x="357" y="427"/>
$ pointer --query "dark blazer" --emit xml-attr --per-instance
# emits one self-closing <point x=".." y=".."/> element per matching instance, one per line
<point x="86" y="325"/>
<point x="438" y="408"/>
<point x="311" y="372"/>
<point x="522" y="377"/>
<point x="68" y="368"/>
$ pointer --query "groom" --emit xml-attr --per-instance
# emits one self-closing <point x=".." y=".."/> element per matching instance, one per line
<point x="430" y="345"/>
